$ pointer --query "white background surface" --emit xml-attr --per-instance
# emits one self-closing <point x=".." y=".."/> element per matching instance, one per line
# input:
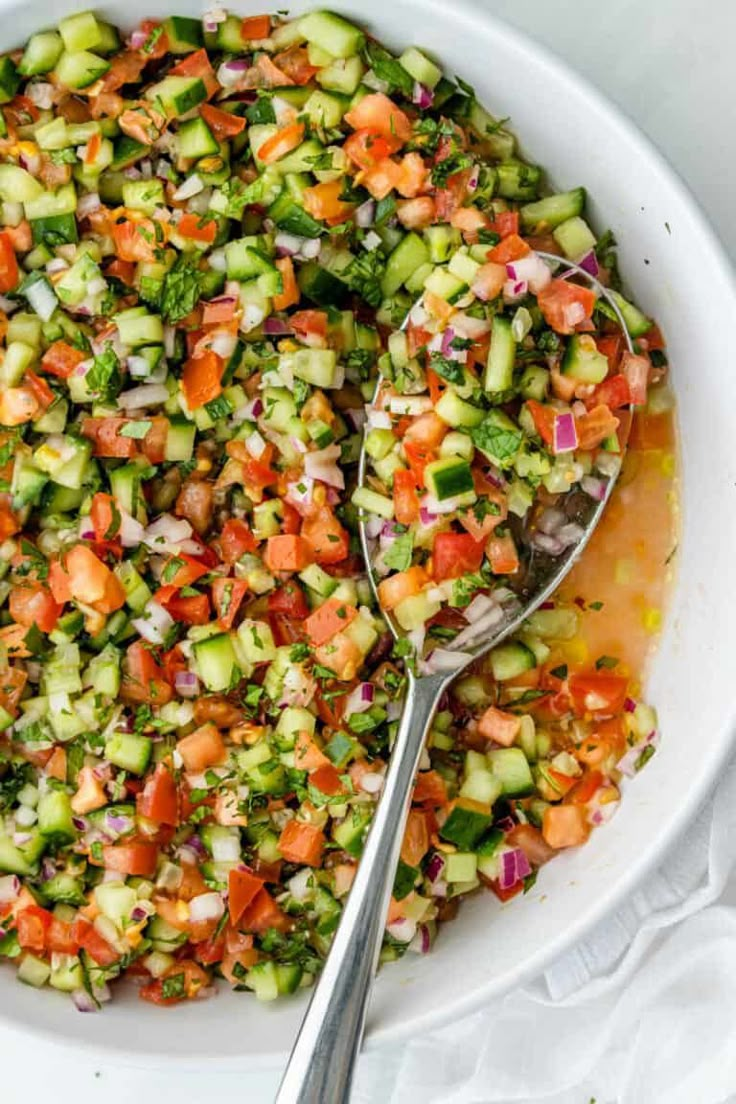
<point x="669" y="65"/>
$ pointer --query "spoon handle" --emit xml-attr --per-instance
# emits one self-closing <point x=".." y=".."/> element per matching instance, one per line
<point x="321" y="1066"/>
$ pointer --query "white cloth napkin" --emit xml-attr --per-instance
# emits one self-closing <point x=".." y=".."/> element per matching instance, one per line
<point x="642" y="1012"/>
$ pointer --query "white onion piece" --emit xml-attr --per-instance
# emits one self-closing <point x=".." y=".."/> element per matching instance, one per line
<point x="372" y="782"/>
<point x="479" y="607"/>
<point x="42" y="298"/>
<point x="300" y="886"/>
<point x="226" y="849"/>
<point x="148" y="394"/>
<point x="154" y="624"/>
<point x="88" y="203"/>
<point x="207" y="906"/>
<point x="410" y="405"/>
<point x="322" y="465"/>
<point x="479" y="628"/>
<point x="443" y="659"/>
<point x="402" y="930"/>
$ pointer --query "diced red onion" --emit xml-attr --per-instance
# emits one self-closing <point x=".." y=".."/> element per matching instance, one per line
<point x="416" y="638"/>
<point x="20" y="839"/>
<point x="187" y="684"/>
<point x="301" y="494"/>
<point x="570" y="534"/>
<point x="88" y="203"/>
<point x="365" y="214"/>
<point x="435" y="866"/>
<point x="426" y="516"/>
<point x="467" y="326"/>
<point x="80" y="823"/>
<point x="84" y="1001"/>
<point x="402" y="930"/>
<point x="332" y="498"/>
<point x="118" y="824"/>
<point x="596" y="488"/>
<point x="359" y="699"/>
<point x="255" y="445"/>
<point x="532" y="270"/>
<point x="190" y="187"/>
<point x="230" y="72"/>
<point x="378" y="419"/>
<point x="322" y="465"/>
<point x="167" y="534"/>
<point x="138" y="39"/>
<point x="223" y="344"/>
<point x="301" y="885"/>
<point x="565" y="434"/>
<point x="9" y="888"/>
<point x="410" y="405"/>
<point x="422" y="96"/>
<point x="357" y="417"/>
<point x="473" y="178"/>
<point x="514" y="868"/>
<point x="287" y="245"/>
<point x="277" y="327"/>
<point x="589" y="263"/>
<point x="514" y="289"/>
<point x="207" y="906"/>
<point x="608" y="463"/>
<point x="422" y="941"/>
<point x="629" y="705"/>
<point x="42" y="299"/>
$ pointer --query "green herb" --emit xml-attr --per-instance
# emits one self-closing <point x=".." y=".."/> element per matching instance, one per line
<point x="218" y="408"/>
<point x="321" y="672"/>
<point x="499" y="442"/>
<point x="455" y="161"/>
<point x="388" y="69"/>
<point x="360" y="723"/>
<point x="442" y="632"/>
<point x="595" y="605"/>
<point x="399" y="554"/>
<point x="181" y="290"/>
<point x="607" y="662"/>
<point x="172" y="988"/>
<point x="363" y="276"/>
<point x="9" y="945"/>
<point x="150" y="291"/>
<point x="645" y="756"/>
<point x="171" y="570"/>
<point x="559" y="672"/>
<point x="450" y="370"/>
<point x="34" y="561"/>
<point x="488" y="237"/>
<point x="137" y="430"/>
<point x="262" y="110"/>
<point x="385" y="208"/>
<point x="301" y="392"/>
<point x="360" y="360"/>
<point x="152" y="39"/>
<point x="549" y="342"/>
<point x="104" y="377"/>
<point x="60" y="157"/>
<point x="530" y="880"/>
<point x="465" y="588"/>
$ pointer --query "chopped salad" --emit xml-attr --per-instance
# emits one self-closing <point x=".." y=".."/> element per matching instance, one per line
<point x="212" y="232"/>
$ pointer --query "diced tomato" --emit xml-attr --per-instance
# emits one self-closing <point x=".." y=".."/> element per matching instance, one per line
<point x="544" y="420"/>
<point x="194" y="978"/>
<point x="300" y="842"/>
<point x="469" y="220"/>
<point x="416" y="214"/>
<point x="159" y="799"/>
<point x="18" y="405"/>
<point x="322" y="201"/>
<point x="290" y="294"/>
<point x="598" y="692"/>
<point x="613" y="392"/>
<point x="60" y="359"/>
<point x="223" y="124"/>
<point x="565" y="305"/>
<point x="595" y="426"/>
<point x="254" y="28"/>
<point x="39" y="388"/>
<point x="406" y="498"/>
<point x="611" y="346"/>
<point x="279" y="144"/>
<point x="310" y="326"/>
<point x="236" y="539"/>
<point x="417" y="458"/>
<point x="135" y="241"/>
<point x="503" y="894"/>
<point x="197" y="64"/>
<point x="32" y="925"/>
<point x="585" y="788"/>
<point x="489" y="281"/>
<point x="190" y="609"/>
<point x="88" y="938"/>
<point x="91" y="581"/>
<point x="197" y="228"/>
<point x="200" y="379"/>
<point x="404" y="584"/>
<point x="565" y="826"/>
<point x="9" y="273"/>
<point x="227" y="596"/>
<point x="134" y="859"/>
<point x="416" y="838"/>
<point x="31" y="603"/>
<point x="289" y="600"/>
<point x="510" y="248"/>
<point x="105" y="433"/>
<point x="502" y="728"/>
<point x="506" y="223"/>
<point x="329" y="541"/>
<point x="263" y="913"/>
<point x="143" y="678"/>
<point x="328" y="619"/>
<point x="327" y="780"/>
<point x="378" y="113"/>
<point x="243" y="887"/>
<point x="455" y="554"/>
<point x="288" y="553"/>
<point x="104" y="516"/>
<point x="504" y="558"/>
<point x="368" y="147"/>
<point x="60" y="938"/>
<point x="430" y="789"/>
<point x="202" y="748"/>
<point x="636" y="371"/>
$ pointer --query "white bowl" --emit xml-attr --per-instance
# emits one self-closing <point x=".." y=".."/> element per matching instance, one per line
<point x="675" y="268"/>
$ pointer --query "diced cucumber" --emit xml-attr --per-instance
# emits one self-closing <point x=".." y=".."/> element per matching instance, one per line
<point x="144" y="195"/>
<point x="414" y="612"/>
<point x="129" y="751"/>
<point x="500" y="142"/>
<point x="18" y="186"/>
<point x="582" y="361"/>
<point x="420" y="67"/>
<point x="183" y="34"/>
<point x="80" y="31"/>
<point x="456" y="412"/>
<point x="41" y="54"/>
<point x="9" y="79"/>
<point x="481" y="785"/>
<point x="510" y="767"/>
<point x="324" y="109"/>
<point x="441" y="241"/>
<point x="333" y="33"/>
<point x="289" y="216"/>
<point x="366" y="499"/>
<point x="33" y="971"/>
<point x="350" y="833"/>
<point x="21" y="860"/>
<point x="466" y="823"/>
<point x="55" y="818"/>
<point x="316" y="366"/>
<point x="180" y="440"/>
<point x="137" y="327"/>
<point x="575" y="237"/>
<point x="194" y="139"/>
<point x="449" y="478"/>
<point x="343" y="75"/>
<point x="550" y="212"/>
<point x="80" y="68"/>
<point x="177" y="95"/>
<point x="409" y="254"/>
<point x="636" y="323"/>
<point x="517" y="180"/>
<point x="442" y="283"/>
<point x="65" y="889"/>
<point x="216" y="661"/>
<point x="499" y="376"/>
<point x="44" y="205"/>
<point x="460" y="866"/>
<point x="508" y="661"/>
<point x="534" y="383"/>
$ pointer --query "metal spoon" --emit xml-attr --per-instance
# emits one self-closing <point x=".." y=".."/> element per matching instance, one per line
<point x="320" y="1069"/>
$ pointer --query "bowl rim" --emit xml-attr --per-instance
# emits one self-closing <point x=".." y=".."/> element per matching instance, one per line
<point x="471" y="13"/>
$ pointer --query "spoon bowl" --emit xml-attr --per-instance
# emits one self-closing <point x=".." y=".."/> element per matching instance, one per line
<point x="323" y="1059"/>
